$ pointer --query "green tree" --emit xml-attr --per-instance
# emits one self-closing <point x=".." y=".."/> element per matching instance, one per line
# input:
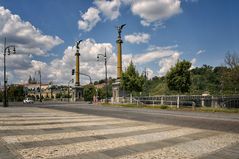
<point x="232" y="59"/>
<point x="89" y="92"/>
<point x="230" y="75"/>
<point x="131" y="80"/>
<point x="178" y="78"/>
<point x="16" y="93"/>
<point x="101" y="93"/>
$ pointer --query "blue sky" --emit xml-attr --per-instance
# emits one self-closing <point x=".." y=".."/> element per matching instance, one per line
<point x="155" y="36"/>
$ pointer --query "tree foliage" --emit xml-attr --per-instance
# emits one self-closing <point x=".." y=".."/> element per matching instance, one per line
<point x="101" y="93"/>
<point x="89" y="92"/>
<point x="131" y="80"/>
<point x="16" y="93"/>
<point x="178" y="78"/>
<point x="219" y="80"/>
<point x="232" y="59"/>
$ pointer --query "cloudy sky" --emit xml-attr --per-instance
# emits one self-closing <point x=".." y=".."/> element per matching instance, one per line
<point x="157" y="34"/>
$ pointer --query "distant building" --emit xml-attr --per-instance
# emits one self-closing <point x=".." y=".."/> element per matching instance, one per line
<point x="48" y="91"/>
<point x="34" y="90"/>
<point x="99" y="86"/>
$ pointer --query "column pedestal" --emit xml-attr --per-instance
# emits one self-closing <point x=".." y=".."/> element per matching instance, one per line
<point x="77" y="93"/>
<point x="116" y="91"/>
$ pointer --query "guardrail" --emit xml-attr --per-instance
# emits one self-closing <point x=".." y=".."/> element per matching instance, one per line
<point x="185" y="100"/>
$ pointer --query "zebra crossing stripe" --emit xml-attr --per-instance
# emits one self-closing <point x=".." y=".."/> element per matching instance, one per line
<point x="67" y="135"/>
<point x="99" y="145"/>
<point x="31" y="114"/>
<point x="86" y="123"/>
<point x="37" y="118"/>
<point x="51" y="121"/>
<point x="190" y="150"/>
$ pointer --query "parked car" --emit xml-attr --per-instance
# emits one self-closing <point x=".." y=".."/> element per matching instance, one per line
<point x="28" y="101"/>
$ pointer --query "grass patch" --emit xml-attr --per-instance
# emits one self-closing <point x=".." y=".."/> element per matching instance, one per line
<point x="165" y="107"/>
<point x="139" y="106"/>
<point x="225" y="110"/>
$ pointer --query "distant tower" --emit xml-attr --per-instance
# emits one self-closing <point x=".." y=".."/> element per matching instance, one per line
<point x="119" y="51"/>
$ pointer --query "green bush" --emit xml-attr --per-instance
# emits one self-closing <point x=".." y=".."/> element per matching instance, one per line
<point x="163" y="107"/>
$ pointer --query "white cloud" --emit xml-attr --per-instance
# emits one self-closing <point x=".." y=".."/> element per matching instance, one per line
<point x="155" y="53"/>
<point x="109" y="8"/>
<point x="191" y="0"/>
<point x="200" y="52"/>
<point x="153" y="47"/>
<point x="24" y="35"/>
<point x="137" y="38"/>
<point x="145" y="23"/>
<point x="19" y="67"/>
<point x="193" y="61"/>
<point x="150" y="73"/>
<point x="155" y="10"/>
<point x="59" y="70"/>
<point x="89" y="19"/>
<point x="166" y="63"/>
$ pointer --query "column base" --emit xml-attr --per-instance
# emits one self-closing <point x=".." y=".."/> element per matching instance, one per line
<point x="77" y="94"/>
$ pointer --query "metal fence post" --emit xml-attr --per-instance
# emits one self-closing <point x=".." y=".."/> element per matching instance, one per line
<point x="178" y="102"/>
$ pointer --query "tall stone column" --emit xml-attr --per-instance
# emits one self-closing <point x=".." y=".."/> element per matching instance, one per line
<point x="119" y="51"/>
<point x="78" y="90"/>
<point x="77" y="81"/>
<point x="119" y="57"/>
<point x="116" y="86"/>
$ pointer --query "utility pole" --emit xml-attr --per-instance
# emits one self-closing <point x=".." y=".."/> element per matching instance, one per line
<point x="6" y="48"/>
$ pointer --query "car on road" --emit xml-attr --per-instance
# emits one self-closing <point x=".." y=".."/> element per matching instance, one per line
<point x="28" y="101"/>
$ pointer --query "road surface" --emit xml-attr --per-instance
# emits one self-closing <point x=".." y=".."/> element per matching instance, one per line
<point x="74" y="131"/>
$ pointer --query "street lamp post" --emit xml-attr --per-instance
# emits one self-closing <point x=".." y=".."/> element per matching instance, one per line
<point x="106" y="79"/>
<point x="6" y="48"/>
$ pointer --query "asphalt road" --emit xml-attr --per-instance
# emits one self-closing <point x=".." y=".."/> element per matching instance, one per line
<point x="228" y="122"/>
<point x="40" y="130"/>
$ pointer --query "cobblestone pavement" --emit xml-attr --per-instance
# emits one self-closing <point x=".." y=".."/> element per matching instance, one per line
<point x="37" y="133"/>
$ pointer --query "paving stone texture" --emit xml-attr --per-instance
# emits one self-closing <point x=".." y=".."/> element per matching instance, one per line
<point x="40" y="133"/>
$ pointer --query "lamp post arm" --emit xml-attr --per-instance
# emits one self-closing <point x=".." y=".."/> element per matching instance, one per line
<point x="101" y="55"/>
<point x="87" y="76"/>
<point x="8" y="47"/>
